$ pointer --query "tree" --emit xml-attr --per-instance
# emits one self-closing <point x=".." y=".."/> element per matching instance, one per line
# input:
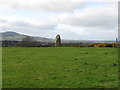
<point x="28" y="41"/>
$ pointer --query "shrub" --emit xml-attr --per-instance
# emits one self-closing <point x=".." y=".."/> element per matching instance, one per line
<point x="28" y="41"/>
<point x="101" y="45"/>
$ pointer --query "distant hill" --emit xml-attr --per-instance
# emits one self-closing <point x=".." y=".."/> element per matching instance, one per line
<point x="5" y="34"/>
<point x="19" y="37"/>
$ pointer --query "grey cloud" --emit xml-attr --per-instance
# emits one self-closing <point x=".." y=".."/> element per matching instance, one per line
<point x="44" y="5"/>
<point x="22" y="25"/>
<point x="99" y="22"/>
<point x="3" y="21"/>
<point x="102" y="17"/>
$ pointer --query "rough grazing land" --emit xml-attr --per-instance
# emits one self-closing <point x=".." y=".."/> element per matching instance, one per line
<point x="60" y="67"/>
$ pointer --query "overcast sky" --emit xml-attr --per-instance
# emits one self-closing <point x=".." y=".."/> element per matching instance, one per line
<point x="72" y="19"/>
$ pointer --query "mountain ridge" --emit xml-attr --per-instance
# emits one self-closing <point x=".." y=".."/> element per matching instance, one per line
<point x="10" y="35"/>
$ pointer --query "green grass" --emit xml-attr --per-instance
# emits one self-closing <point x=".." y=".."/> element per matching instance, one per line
<point x="60" y="67"/>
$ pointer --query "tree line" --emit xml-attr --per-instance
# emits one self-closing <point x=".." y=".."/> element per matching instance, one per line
<point x="26" y="42"/>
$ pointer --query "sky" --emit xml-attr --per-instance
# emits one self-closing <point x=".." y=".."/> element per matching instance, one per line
<point x="72" y="19"/>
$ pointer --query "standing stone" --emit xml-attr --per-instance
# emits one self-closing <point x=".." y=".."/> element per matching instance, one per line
<point x="58" y="40"/>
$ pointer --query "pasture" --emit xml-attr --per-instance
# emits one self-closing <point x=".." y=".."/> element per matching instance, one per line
<point x="60" y="67"/>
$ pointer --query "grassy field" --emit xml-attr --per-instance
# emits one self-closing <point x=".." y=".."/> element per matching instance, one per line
<point x="60" y="67"/>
